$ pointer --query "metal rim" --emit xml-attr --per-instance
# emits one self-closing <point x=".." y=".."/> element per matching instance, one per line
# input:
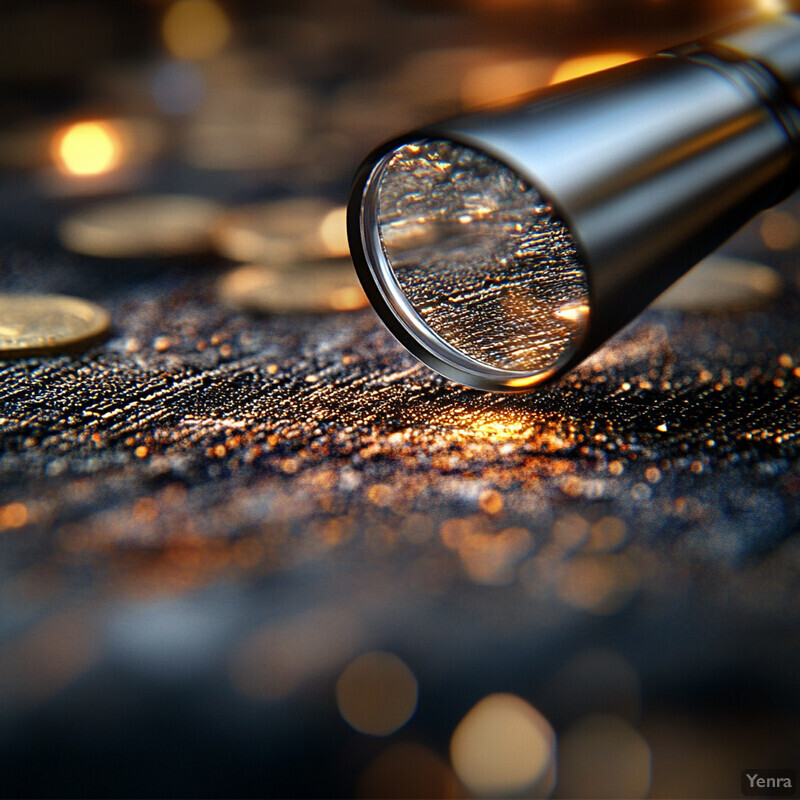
<point x="394" y="308"/>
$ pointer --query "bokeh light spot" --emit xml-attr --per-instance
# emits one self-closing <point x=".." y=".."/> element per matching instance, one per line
<point x="377" y="693"/>
<point x="504" y="746"/>
<point x="333" y="230"/>
<point x="603" y="756"/>
<point x="195" y="29"/>
<point x="87" y="148"/>
<point x="408" y="770"/>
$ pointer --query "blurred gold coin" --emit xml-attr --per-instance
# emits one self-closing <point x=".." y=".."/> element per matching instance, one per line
<point x="720" y="284"/>
<point x="313" y="288"/>
<point x="155" y="225"/>
<point x="282" y="231"/>
<point x="40" y="324"/>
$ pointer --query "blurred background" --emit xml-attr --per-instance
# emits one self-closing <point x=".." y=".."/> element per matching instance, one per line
<point x="252" y="97"/>
<point x="476" y="607"/>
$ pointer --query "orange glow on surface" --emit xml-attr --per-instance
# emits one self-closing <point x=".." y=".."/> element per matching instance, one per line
<point x="586" y="65"/>
<point x="497" y="427"/>
<point x="87" y="148"/>
<point x="528" y="380"/>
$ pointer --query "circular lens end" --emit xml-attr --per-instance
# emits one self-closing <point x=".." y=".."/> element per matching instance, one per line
<point x="477" y="268"/>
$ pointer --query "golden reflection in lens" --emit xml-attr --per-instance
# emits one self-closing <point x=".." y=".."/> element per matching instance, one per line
<point x="87" y="148"/>
<point x="504" y="746"/>
<point x="603" y="756"/>
<point x="574" y="313"/>
<point x="333" y="231"/>
<point x="408" y="770"/>
<point x="780" y="230"/>
<point x="586" y="65"/>
<point x="600" y="584"/>
<point x="195" y="29"/>
<point x="529" y="380"/>
<point x="377" y="693"/>
<point x="493" y="82"/>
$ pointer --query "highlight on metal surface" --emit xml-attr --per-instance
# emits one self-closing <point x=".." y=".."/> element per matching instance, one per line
<point x="502" y="247"/>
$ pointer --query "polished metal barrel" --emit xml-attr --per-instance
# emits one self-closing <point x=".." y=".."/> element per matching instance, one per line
<point x="650" y="166"/>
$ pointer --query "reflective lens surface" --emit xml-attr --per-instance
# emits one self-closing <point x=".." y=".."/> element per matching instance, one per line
<point x="481" y="258"/>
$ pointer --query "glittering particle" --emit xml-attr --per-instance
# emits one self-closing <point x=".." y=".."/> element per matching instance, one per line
<point x="483" y="260"/>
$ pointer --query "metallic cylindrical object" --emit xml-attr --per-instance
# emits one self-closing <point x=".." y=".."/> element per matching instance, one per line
<point x="502" y="247"/>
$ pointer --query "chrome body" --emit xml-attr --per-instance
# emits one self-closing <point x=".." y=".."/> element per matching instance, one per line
<point x="652" y="165"/>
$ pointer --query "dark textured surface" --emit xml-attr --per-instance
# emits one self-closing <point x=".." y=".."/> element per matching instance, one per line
<point x="206" y="481"/>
